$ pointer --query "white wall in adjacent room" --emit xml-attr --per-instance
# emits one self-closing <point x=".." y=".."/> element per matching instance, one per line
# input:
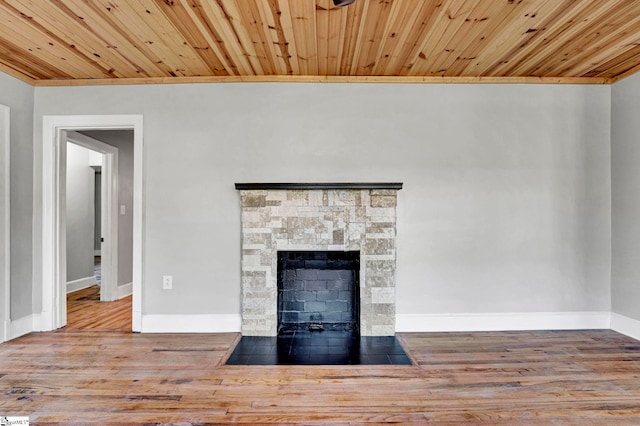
<point x="123" y="140"/>
<point x="80" y="213"/>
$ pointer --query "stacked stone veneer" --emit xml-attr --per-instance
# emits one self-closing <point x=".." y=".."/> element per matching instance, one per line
<point x="318" y="220"/>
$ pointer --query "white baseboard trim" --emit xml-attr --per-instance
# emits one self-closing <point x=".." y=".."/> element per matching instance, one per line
<point x="625" y="325"/>
<point x="228" y="323"/>
<point x="5" y="334"/>
<point x="76" y="285"/>
<point x="124" y="290"/>
<point x="502" y="321"/>
<point x="205" y="323"/>
<point x="25" y="325"/>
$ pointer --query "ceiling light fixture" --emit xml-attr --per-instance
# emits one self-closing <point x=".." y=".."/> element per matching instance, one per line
<point x="341" y="3"/>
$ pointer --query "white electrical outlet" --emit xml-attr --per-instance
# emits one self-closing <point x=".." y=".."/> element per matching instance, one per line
<point x="167" y="282"/>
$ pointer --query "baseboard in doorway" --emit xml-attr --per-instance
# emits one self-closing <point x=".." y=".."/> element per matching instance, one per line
<point x="76" y="285"/>
<point x="124" y="290"/>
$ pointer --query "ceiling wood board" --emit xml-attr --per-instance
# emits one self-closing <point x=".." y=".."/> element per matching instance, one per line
<point x="82" y="42"/>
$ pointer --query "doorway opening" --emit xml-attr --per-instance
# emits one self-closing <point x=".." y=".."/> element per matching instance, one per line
<point x="56" y="131"/>
<point x="99" y="231"/>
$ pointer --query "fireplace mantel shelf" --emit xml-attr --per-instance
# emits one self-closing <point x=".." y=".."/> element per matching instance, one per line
<point x="319" y="186"/>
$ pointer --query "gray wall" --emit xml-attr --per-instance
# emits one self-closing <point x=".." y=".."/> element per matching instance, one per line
<point x="80" y="213"/>
<point x="123" y="140"/>
<point x="506" y="205"/>
<point x="20" y="98"/>
<point x="625" y="192"/>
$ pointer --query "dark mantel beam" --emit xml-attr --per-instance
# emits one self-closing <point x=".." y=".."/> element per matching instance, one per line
<point x="319" y="185"/>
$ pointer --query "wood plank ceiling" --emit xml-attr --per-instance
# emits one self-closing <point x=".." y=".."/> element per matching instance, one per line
<point x="67" y="42"/>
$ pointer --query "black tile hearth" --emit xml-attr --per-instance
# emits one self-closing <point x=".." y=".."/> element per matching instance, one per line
<point x="303" y="347"/>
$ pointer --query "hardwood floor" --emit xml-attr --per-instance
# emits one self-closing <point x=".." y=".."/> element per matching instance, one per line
<point x="86" y="312"/>
<point x="522" y="378"/>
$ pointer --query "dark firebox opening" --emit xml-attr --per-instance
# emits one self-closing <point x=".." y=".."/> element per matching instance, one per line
<point x="318" y="290"/>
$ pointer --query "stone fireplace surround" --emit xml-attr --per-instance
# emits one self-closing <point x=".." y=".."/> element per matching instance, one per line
<point x="318" y="217"/>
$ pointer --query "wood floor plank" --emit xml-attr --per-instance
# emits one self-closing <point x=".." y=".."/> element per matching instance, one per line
<point x="93" y="376"/>
<point x="85" y="311"/>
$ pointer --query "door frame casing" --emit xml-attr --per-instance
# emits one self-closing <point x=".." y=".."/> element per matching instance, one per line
<point x="5" y="223"/>
<point x="53" y="315"/>
<point x="109" y="216"/>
